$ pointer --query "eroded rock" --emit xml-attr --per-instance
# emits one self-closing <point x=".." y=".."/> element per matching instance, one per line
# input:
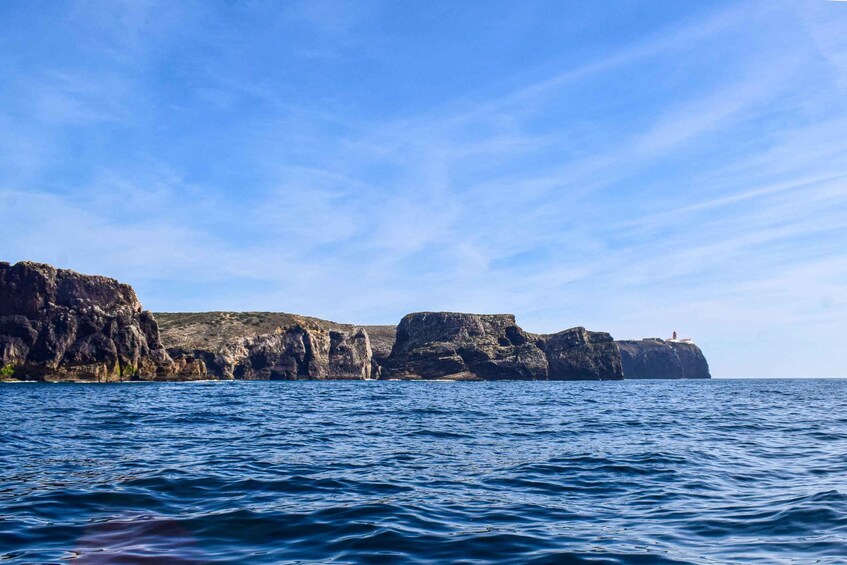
<point x="451" y="345"/>
<point x="659" y="359"/>
<point x="579" y="354"/>
<point x="269" y="346"/>
<point x="56" y="324"/>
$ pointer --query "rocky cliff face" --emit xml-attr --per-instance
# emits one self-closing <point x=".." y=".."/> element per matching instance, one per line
<point x="382" y="341"/>
<point x="57" y="324"/>
<point x="434" y="345"/>
<point x="659" y="359"/>
<point x="451" y="345"/>
<point x="266" y="345"/>
<point x="578" y="354"/>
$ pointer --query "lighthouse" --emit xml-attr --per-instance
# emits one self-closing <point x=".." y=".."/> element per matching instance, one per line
<point x="676" y="339"/>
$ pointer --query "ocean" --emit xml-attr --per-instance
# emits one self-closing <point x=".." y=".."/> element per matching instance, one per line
<point x="651" y="472"/>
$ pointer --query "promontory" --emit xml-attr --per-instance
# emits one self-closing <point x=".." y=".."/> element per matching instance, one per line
<point x="59" y="325"/>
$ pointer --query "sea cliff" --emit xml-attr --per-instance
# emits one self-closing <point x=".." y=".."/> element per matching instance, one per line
<point x="660" y="359"/>
<point x="449" y="345"/>
<point x="269" y="345"/>
<point x="59" y="325"/>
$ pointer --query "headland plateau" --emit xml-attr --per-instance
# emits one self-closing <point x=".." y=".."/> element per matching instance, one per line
<point x="60" y="325"/>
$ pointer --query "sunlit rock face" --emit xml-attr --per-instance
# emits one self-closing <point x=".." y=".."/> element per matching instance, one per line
<point x="269" y="345"/>
<point x="660" y="359"/>
<point x="56" y="324"/>
<point x="60" y="325"/>
<point x="450" y="345"/>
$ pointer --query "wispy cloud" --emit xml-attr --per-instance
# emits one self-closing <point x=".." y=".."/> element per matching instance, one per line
<point x="239" y="156"/>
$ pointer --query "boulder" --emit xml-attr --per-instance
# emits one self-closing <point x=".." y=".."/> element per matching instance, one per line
<point x="187" y="367"/>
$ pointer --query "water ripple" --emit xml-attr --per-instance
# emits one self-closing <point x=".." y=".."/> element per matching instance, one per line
<point x="384" y="472"/>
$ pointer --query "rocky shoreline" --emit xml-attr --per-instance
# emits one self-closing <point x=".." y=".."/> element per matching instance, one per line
<point x="59" y="325"/>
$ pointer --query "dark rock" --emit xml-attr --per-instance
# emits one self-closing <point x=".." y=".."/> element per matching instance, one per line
<point x="660" y="359"/>
<point x="450" y="345"/>
<point x="57" y="324"/>
<point x="578" y="354"/>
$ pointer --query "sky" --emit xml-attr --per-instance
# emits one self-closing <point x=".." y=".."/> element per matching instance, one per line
<point x="631" y="167"/>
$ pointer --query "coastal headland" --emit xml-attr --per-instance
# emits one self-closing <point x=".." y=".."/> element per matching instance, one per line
<point x="60" y="325"/>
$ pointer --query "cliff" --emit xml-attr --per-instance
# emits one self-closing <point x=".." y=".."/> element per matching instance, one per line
<point x="382" y="341"/>
<point x="659" y="359"/>
<point x="579" y="354"/>
<point x="449" y="345"/>
<point x="268" y="345"/>
<point x="57" y="324"/>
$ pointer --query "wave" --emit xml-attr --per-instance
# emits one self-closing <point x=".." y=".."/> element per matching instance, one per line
<point x="505" y="472"/>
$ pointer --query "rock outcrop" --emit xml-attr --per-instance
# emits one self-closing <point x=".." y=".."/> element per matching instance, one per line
<point x="60" y="325"/>
<point x="433" y="345"/>
<point x="449" y="345"/>
<point x="382" y="341"/>
<point x="57" y="324"/>
<point x="579" y="354"/>
<point x="660" y="359"/>
<point x="267" y="345"/>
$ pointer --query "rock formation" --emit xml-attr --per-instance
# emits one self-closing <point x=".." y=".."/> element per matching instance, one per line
<point x="57" y="324"/>
<point x="266" y="345"/>
<point x="578" y="354"/>
<point x="450" y="345"/>
<point x="433" y="345"/>
<point x="382" y="341"/>
<point x="660" y="359"/>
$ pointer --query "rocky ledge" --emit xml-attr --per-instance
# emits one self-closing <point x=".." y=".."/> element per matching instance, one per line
<point x="449" y="345"/>
<point x="56" y="324"/>
<point x="659" y="359"/>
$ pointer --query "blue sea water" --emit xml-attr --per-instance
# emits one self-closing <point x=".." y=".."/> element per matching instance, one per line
<point x="721" y="471"/>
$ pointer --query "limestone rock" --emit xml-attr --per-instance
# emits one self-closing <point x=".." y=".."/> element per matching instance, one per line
<point x="578" y="354"/>
<point x="268" y="345"/>
<point x="56" y="324"/>
<point x="660" y="359"/>
<point x="187" y="367"/>
<point x="457" y="346"/>
<point x="382" y="340"/>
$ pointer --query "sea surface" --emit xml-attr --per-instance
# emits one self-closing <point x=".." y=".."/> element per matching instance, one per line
<point x="652" y="472"/>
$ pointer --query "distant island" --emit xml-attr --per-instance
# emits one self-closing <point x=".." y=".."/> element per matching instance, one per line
<point x="59" y="325"/>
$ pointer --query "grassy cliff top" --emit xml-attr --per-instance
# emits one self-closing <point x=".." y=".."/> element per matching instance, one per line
<point x="209" y="330"/>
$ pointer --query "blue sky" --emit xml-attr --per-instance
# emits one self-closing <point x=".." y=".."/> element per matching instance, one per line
<point x="635" y="167"/>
